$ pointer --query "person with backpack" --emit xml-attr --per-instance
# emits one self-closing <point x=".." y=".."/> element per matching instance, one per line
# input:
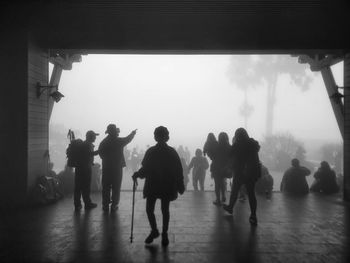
<point x="162" y="170"/>
<point x="83" y="172"/>
<point x="113" y="161"/>
<point x="246" y="169"/>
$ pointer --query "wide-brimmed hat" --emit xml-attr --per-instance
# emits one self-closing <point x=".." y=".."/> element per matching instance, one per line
<point x="111" y="128"/>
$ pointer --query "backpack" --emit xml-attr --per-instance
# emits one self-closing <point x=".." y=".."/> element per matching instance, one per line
<point x="73" y="152"/>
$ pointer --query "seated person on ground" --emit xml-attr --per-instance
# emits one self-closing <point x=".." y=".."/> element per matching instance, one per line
<point x="294" y="179"/>
<point x="264" y="185"/>
<point x="325" y="180"/>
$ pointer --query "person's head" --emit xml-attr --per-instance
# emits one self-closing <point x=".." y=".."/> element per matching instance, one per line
<point x="112" y="130"/>
<point x="223" y="138"/>
<point x="199" y="152"/>
<point x="161" y="134"/>
<point x="91" y="136"/>
<point x="295" y="162"/>
<point x="241" y="135"/>
<point x="211" y="137"/>
<point x="325" y="165"/>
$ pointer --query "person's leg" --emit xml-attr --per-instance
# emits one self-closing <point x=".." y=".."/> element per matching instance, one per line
<point x="150" y="204"/>
<point x="166" y="214"/>
<point x="116" y="185"/>
<point x="236" y="185"/>
<point x="106" y="191"/>
<point x="217" y="190"/>
<point x="223" y="186"/>
<point x="86" y="186"/>
<point x="166" y="217"/>
<point x="194" y="182"/>
<point x="201" y="182"/>
<point x="252" y="201"/>
<point x="77" y="188"/>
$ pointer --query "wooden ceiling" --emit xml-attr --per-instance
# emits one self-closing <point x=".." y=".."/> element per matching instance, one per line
<point x="182" y="26"/>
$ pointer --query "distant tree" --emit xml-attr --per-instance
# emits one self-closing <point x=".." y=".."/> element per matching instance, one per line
<point x="278" y="150"/>
<point x="250" y="71"/>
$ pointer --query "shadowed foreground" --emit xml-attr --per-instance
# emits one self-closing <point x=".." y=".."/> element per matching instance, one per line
<point x="314" y="228"/>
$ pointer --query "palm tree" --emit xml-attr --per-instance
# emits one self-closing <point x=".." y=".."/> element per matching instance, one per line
<point x="250" y="71"/>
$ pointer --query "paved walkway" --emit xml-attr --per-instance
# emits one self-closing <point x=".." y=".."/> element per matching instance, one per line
<point x="314" y="228"/>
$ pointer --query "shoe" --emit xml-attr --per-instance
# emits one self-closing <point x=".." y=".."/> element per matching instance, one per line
<point x="154" y="234"/>
<point x="114" y="208"/>
<point x="78" y="207"/>
<point x="217" y="202"/>
<point x="90" y="206"/>
<point x="228" y="209"/>
<point x="253" y="220"/>
<point x="165" y="239"/>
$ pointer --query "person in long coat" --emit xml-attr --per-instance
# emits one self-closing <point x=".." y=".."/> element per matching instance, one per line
<point x="162" y="171"/>
<point x="246" y="169"/>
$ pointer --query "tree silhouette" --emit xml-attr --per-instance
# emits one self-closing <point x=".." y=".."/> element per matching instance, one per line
<point x="250" y="71"/>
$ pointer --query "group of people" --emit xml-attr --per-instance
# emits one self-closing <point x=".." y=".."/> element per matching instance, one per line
<point x="163" y="171"/>
<point x="294" y="179"/>
<point x="239" y="161"/>
<point x="111" y="152"/>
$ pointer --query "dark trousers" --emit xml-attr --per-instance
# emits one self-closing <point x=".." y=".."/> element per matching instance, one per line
<point x="111" y="182"/>
<point x="150" y="204"/>
<point x="198" y="179"/>
<point x="82" y="182"/>
<point x="220" y="188"/>
<point x="250" y="187"/>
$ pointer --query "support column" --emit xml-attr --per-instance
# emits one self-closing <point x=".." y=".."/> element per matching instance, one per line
<point x="336" y="103"/>
<point x="347" y="128"/>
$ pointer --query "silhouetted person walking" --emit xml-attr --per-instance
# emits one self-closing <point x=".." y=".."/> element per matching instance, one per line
<point x="199" y="164"/>
<point x="247" y="170"/>
<point x="113" y="161"/>
<point x="325" y="180"/>
<point x="294" y="180"/>
<point x="83" y="172"/>
<point x="220" y="166"/>
<point x="162" y="170"/>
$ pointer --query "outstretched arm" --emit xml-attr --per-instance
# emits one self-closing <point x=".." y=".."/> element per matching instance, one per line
<point x="129" y="138"/>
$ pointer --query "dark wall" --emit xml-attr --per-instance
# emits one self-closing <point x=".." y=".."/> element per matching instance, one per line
<point x="38" y="116"/>
<point x="13" y="118"/>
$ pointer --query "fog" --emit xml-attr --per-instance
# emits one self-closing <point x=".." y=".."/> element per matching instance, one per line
<point x="190" y="94"/>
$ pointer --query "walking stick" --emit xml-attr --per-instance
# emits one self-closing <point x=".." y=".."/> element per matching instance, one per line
<point x="133" y="208"/>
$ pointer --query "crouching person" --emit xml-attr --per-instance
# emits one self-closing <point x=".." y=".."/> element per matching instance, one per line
<point x="162" y="170"/>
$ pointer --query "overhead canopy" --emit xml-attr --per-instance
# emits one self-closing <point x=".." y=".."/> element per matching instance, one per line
<point x="193" y="26"/>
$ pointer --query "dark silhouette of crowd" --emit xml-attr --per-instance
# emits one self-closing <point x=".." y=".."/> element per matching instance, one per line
<point x="166" y="173"/>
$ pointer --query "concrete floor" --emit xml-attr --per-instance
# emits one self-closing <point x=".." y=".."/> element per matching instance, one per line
<point x="314" y="228"/>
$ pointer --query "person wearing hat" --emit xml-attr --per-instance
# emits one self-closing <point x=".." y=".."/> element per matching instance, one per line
<point x="83" y="172"/>
<point x="162" y="170"/>
<point x="113" y="161"/>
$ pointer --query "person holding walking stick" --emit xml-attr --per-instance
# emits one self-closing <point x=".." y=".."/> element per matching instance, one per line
<point x="162" y="171"/>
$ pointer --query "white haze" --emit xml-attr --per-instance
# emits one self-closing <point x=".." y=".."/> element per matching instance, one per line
<point x="190" y="94"/>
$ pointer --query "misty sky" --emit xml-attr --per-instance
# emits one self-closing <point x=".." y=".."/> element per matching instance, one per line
<point x="190" y="94"/>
